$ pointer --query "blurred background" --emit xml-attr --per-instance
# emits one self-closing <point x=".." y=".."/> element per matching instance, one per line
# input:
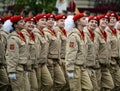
<point x="59" y="6"/>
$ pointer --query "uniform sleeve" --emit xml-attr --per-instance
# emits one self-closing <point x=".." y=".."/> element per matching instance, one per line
<point x="71" y="52"/>
<point x="12" y="55"/>
<point x="4" y="42"/>
<point x="96" y="45"/>
<point x="86" y="46"/>
<point x="38" y="48"/>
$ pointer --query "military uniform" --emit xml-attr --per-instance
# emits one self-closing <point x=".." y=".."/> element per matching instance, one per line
<point x="17" y="54"/>
<point x="4" y="36"/>
<point x="114" y="67"/>
<point x="62" y="36"/>
<point x="3" y="74"/>
<point x="91" y="57"/>
<point x="103" y="56"/>
<point x="76" y="59"/>
<point x="53" y="44"/>
<point x="31" y="65"/>
<point x="45" y="81"/>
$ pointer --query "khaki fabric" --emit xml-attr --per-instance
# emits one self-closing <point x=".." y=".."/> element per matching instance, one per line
<point x="4" y="82"/>
<point x="91" y="59"/>
<point x="103" y="55"/>
<point x="31" y="61"/>
<point x="113" y="42"/>
<point x="4" y="36"/>
<point x="57" y="74"/>
<point x="17" y="53"/>
<point x="54" y="59"/>
<point x="75" y="50"/>
<point x="32" y="49"/>
<point x="41" y="46"/>
<point x="106" y="79"/>
<point x="44" y="79"/>
<point x="114" y="67"/>
<point x="93" y="78"/>
<point x="103" y="48"/>
<point x="53" y="44"/>
<point x="45" y="82"/>
<point x="90" y="50"/>
<point x="18" y="84"/>
<point x="81" y="80"/>
<point x="75" y="60"/>
<point x="115" y="72"/>
<point x="63" y="38"/>
<point x="33" y="80"/>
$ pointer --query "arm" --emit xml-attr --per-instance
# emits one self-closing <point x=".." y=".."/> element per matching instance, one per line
<point x="12" y="55"/>
<point x="71" y="52"/>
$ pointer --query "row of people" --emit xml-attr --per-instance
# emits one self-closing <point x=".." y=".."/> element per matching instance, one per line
<point x="40" y="57"/>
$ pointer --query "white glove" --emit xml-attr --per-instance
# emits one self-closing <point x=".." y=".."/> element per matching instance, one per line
<point x="70" y="74"/>
<point x="26" y="73"/>
<point x="12" y="76"/>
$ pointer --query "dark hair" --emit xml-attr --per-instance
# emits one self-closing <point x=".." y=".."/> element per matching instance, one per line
<point x="13" y="25"/>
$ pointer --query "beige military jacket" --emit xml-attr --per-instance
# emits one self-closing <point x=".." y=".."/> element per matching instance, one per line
<point x="118" y="43"/>
<point x="4" y="36"/>
<point x="90" y="48"/>
<point x="41" y="46"/>
<point x="32" y="48"/>
<point x="17" y="52"/>
<point x="62" y="37"/>
<point x="2" y="51"/>
<point x="53" y="44"/>
<point x="113" y="42"/>
<point x="75" y="50"/>
<point x="103" y="48"/>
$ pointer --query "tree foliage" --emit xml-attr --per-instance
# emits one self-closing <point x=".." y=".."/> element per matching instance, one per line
<point x="36" y="5"/>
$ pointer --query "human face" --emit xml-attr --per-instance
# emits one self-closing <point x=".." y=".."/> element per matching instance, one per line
<point x="41" y="22"/>
<point x="112" y="21"/>
<point x="92" y="24"/>
<point x="29" y="25"/>
<point x="82" y="21"/>
<point x="21" y="24"/>
<point x="50" y="22"/>
<point x="61" y="23"/>
<point x="103" y="22"/>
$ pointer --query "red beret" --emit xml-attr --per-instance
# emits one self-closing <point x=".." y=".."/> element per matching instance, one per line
<point x="60" y="16"/>
<point x="39" y="16"/>
<point x="15" y="18"/>
<point x="78" y="16"/>
<point x="6" y="17"/>
<point x="103" y="16"/>
<point x="50" y="15"/>
<point x="30" y="19"/>
<point x="93" y="18"/>
<point x="118" y="18"/>
<point x="113" y="14"/>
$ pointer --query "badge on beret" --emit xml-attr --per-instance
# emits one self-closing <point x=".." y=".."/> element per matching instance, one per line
<point x="71" y="44"/>
<point x="11" y="46"/>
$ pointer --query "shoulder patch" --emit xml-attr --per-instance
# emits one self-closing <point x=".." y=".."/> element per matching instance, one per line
<point x="12" y="46"/>
<point x="71" y="44"/>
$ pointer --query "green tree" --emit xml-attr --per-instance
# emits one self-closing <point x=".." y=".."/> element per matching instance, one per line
<point x="36" y="5"/>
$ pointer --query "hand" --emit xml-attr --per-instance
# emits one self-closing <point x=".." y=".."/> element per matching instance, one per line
<point x="12" y="76"/>
<point x="26" y="73"/>
<point x="70" y="74"/>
